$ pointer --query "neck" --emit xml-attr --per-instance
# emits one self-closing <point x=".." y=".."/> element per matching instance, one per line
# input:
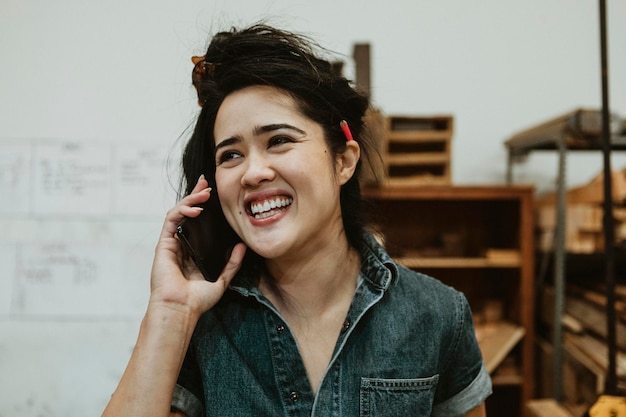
<point x="310" y="286"/>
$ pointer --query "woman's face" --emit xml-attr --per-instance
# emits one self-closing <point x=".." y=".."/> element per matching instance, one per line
<point x="277" y="180"/>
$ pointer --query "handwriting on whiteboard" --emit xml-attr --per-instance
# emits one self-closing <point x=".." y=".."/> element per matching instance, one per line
<point x="93" y="179"/>
<point x="79" y="280"/>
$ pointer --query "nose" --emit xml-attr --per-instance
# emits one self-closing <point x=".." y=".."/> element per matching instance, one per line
<point x="258" y="170"/>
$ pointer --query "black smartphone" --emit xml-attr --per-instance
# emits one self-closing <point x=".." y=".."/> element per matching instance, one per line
<point x="208" y="240"/>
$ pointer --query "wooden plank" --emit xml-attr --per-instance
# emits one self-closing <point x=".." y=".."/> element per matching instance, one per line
<point x="418" y="158"/>
<point x="547" y="407"/>
<point x="597" y="351"/>
<point x="594" y="319"/>
<point x="418" y="136"/>
<point x="496" y="340"/>
<point x="595" y="373"/>
<point x="598" y="299"/>
<point x="417" y="262"/>
<point x="592" y="192"/>
<point x="571" y="324"/>
<point x="583" y="227"/>
<point x="361" y="55"/>
<point x="455" y="193"/>
<point x="593" y="315"/>
<point x="415" y="180"/>
<point x="503" y="257"/>
<point x="421" y="123"/>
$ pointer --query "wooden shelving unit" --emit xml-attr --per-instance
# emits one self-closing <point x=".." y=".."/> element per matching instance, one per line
<point x="417" y="149"/>
<point x="478" y="239"/>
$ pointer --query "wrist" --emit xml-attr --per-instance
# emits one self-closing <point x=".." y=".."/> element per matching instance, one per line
<point x="174" y="304"/>
<point x="172" y="312"/>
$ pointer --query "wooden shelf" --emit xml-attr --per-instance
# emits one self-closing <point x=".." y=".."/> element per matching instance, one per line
<point x="418" y="158"/>
<point x="507" y="380"/>
<point x="416" y="149"/>
<point x="496" y="340"/>
<point x="480" y="240"/>
<point x="450" y="262"/>
<point x="416" y="136"/>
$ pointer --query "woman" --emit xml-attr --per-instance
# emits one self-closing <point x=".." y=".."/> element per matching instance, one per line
<point x="309" y="316"/>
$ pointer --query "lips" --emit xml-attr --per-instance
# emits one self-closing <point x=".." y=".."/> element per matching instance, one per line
<point x="262" y="209"/>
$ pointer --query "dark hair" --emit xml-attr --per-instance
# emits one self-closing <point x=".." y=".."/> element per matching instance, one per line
<point x="263" y="55"/>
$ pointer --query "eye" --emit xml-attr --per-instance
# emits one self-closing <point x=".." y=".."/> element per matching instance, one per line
<point x="227" y="156"/>
<point x="279" y="140"/>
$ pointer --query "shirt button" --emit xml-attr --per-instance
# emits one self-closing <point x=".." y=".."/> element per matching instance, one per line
<point x="280" y="328"/>
<point x="345" y="326"/>
<point x="294" y="396"/>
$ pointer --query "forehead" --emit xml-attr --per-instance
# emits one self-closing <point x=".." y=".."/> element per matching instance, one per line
<point x="257" y="104"/>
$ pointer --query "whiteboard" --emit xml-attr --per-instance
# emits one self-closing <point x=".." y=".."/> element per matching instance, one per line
<point x="79" y="221"/>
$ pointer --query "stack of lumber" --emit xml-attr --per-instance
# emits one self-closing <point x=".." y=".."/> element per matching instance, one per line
<point x="584" y="339"/>
<point x="583" y="218"/>
<point x="417" y="150"/>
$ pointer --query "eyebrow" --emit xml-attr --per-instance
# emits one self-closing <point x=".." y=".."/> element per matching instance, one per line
<point x="258" y="130"/>
<point x="277" y="126"/>
<point x="226" y="142"/>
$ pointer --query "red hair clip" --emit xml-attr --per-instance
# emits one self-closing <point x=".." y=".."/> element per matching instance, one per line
<point x="346" y="130"/>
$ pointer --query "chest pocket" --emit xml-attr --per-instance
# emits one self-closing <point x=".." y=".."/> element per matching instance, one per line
<point x="397" y="397"/>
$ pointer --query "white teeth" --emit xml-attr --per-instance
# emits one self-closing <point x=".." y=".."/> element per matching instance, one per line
<point x="269" y="207"/>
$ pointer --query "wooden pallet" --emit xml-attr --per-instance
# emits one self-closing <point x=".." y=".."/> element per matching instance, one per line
<point x="417" y="150"/>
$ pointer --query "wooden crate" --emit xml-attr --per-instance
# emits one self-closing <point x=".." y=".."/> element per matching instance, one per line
<point x="417" y="150"/>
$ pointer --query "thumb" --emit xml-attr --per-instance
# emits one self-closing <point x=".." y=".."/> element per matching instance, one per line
<point x="234" y="263"/>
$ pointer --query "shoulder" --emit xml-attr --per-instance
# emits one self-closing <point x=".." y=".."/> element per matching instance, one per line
<point x="429" y="305"/>
<point x="419" y="286"/>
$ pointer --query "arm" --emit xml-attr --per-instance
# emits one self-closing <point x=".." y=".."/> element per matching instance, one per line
<point x="179" y="295"/>
<point x="477" y="412"/>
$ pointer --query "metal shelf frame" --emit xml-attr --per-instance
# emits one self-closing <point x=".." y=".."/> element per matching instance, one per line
<point x="578" y="130"/>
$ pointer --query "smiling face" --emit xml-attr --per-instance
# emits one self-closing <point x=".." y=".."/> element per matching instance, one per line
<point x="278" y="183"/>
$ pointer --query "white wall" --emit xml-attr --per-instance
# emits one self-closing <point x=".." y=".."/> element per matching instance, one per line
<point x="93" y="99"/>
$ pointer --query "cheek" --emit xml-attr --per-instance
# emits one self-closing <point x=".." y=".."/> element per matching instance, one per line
<point x="227" y="190"/>
<point x="225" y="178"/>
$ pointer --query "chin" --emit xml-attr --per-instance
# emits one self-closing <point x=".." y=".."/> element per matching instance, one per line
<point x="269" y="250"/>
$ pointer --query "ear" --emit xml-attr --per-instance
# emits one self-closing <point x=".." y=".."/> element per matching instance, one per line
<point x="347" y="161"/>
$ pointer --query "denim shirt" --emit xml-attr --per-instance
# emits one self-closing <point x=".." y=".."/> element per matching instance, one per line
<point x="407" y="348"/>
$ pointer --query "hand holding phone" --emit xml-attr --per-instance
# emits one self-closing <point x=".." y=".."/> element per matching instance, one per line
<point x="207" y="242"/>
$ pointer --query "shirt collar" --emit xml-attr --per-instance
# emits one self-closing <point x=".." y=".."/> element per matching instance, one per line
<point x="377" y="268"/>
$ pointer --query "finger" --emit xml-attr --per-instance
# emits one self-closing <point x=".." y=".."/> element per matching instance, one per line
<point x="187" y="207"/>
<point x="201" y="184"/>
<point x="234" y="263"/>
<point x="194" y="199"/>
<point x="173" y="218"/>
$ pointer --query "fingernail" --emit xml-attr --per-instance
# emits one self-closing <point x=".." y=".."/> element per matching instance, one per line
<point x="208" y="190"/>
<point x="201" y="177"/>
<point x="196" y="208"/>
